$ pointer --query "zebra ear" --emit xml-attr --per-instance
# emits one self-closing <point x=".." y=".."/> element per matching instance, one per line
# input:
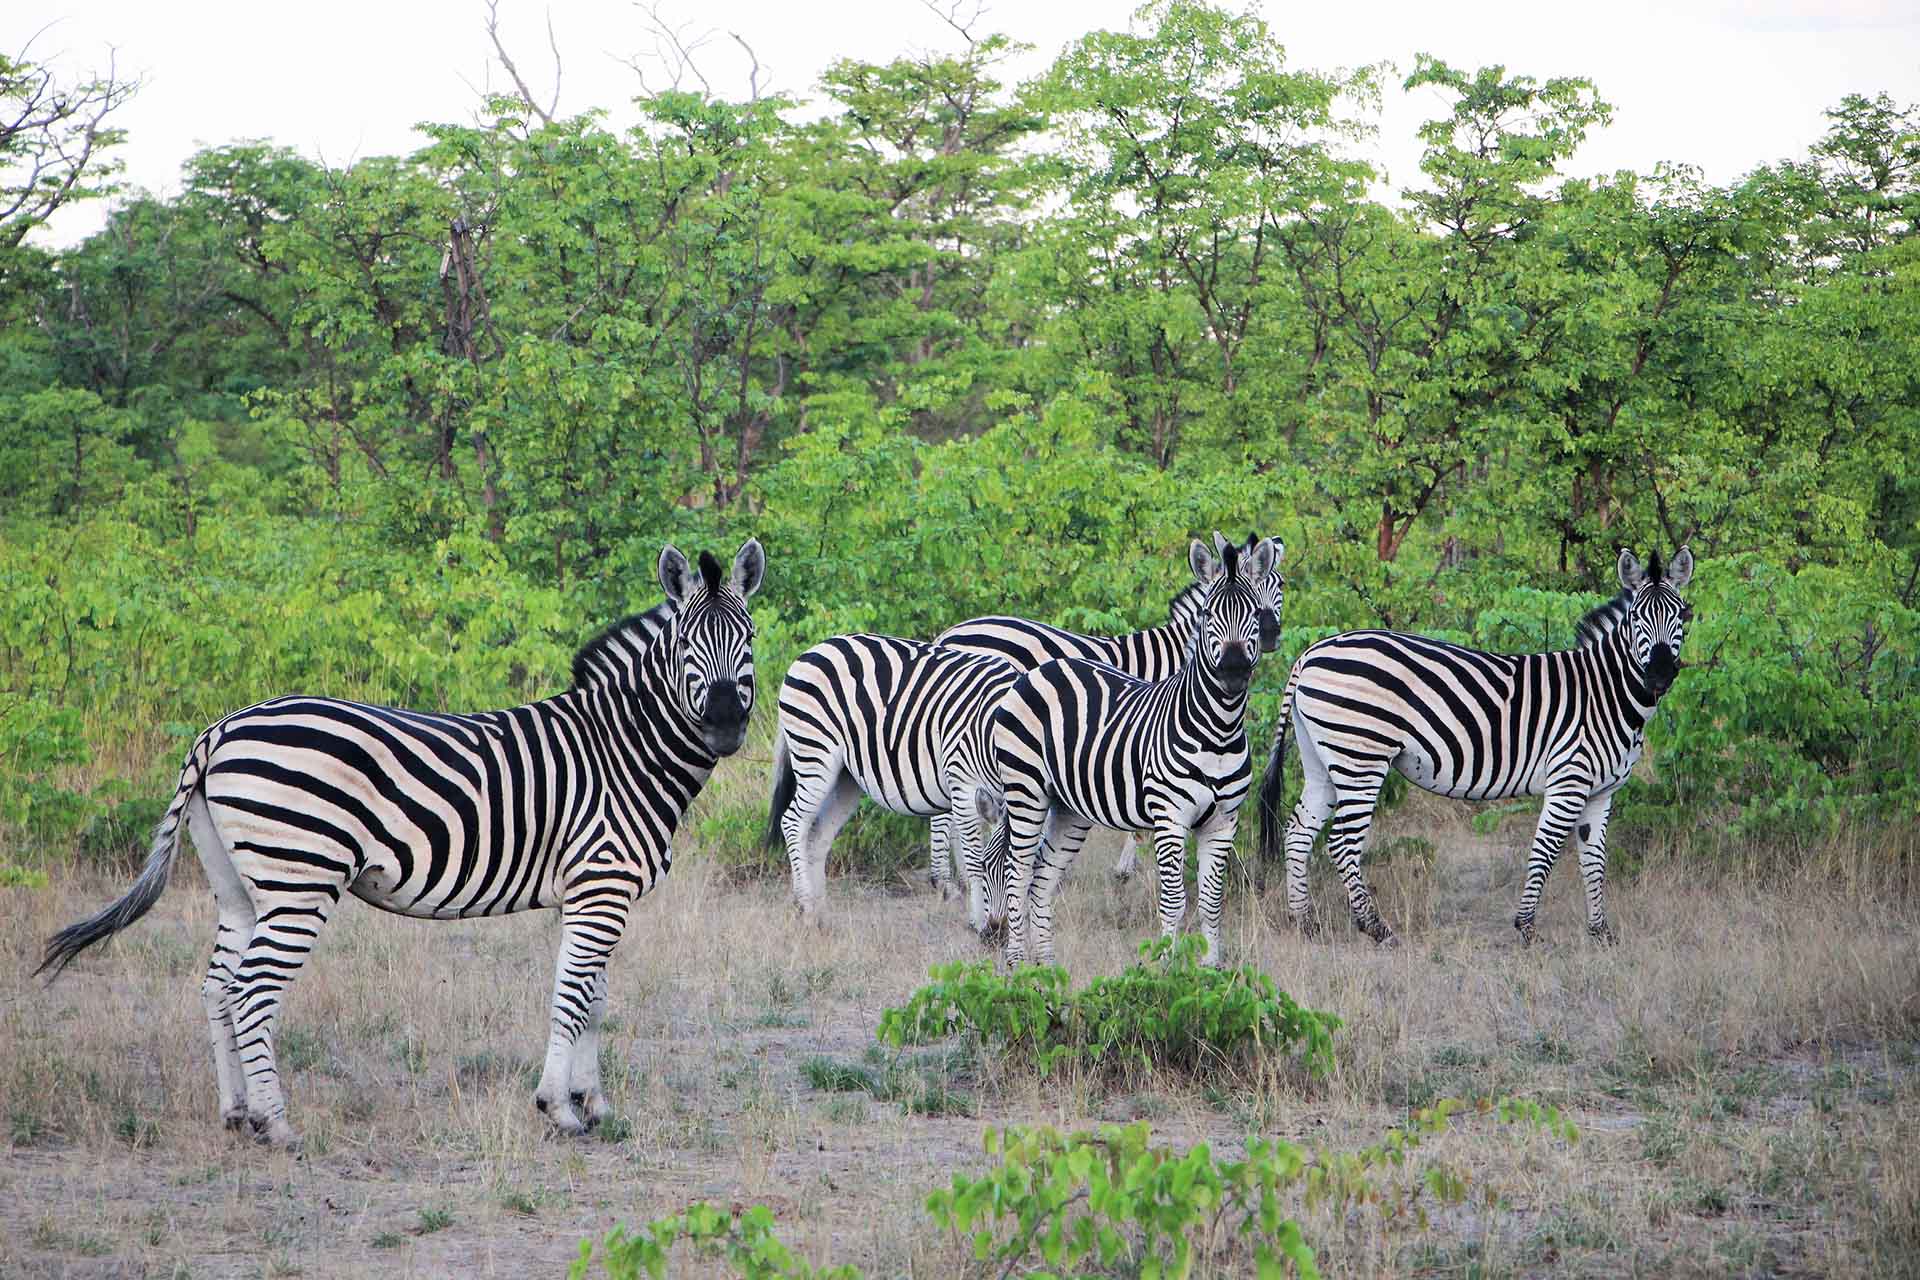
<point x="1262" y="556"/>
<point x="748" y="568"/>
<point x="1680" y="571"/>
<point x="1202" y="562"/>
<point x="1279" y="550"/>
<point x="1632" y="576"/>
<point x="676" y="575"/>
<point x="992" y="809"/>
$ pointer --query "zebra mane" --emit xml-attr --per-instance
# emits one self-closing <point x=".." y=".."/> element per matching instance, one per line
<point x="1187" y="603"/>
<point x="603" y="659"/>
<point x="1600" y="621"/>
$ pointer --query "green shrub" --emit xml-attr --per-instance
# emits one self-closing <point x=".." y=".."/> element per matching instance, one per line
<point x="745" y="1241"/>
<point x="1108" y="1202"/>
<point x="1166" y="1011"/>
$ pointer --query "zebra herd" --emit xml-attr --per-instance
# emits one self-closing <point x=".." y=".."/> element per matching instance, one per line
<point x="1014" y="738"/>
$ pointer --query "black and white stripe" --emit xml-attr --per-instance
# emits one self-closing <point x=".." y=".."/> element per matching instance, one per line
<point x="1078" y="743"/>
<point x="907" y="723"/>
<point x="570" y="802"/>
<point x="1568" y="726"/>
<point x="1153" y="654"/>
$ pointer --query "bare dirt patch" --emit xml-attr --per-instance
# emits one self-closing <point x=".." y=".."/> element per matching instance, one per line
<point x="1742" y="1068"/>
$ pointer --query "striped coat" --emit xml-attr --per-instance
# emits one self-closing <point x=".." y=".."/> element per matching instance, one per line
<point x="569" y="803"/>
<point x="1567" y="726"/>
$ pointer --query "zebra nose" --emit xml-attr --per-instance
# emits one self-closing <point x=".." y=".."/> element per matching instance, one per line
<point x="1269" y="631"/>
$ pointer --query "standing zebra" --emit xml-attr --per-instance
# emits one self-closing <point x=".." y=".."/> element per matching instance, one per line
<point x="907" y="723"/>
<point x="1078" y="742"/>
<point x="1567" y="725"/>
<point x="570" y="802"/>
<point x="1153" y="654"/>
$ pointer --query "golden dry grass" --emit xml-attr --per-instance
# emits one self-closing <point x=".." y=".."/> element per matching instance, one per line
<point x="1742" y="1068"/>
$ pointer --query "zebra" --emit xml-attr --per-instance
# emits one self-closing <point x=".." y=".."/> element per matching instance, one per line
<point x="1079" y="742"/>
<point x="1566" y="725"/>
<point x="904" y="721"/>
<point x="1153" y="654"/>
<point x="570" y="802"/>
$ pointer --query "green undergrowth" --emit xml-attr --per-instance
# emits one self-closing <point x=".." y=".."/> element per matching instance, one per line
<point x="1166" y="1011"/>
<point x="1110" y="1203"/>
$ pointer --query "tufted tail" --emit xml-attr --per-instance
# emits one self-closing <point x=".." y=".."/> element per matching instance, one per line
<point x="137" y="901"/>
<point x="1273" y="781"/>
<point x="783" y="789"/>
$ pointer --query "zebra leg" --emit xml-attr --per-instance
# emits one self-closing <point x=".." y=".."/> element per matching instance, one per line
<point x="1026" y="821"/>
<point x="1065" y="835"/>
<point x="286" y="924"/>
<point x="1557" y="816"/>
<point x="230" y="934"/>
<point x="1356" y="795"/>
<point x="1170" y="870"/>
<point x="1129" y="861"/>
<point x="1592" y="835"/>
<point x="939" y="872"/>
<point x="1303" y="828"/>
<point x="1216" y="846"/>
<point x="583" y="1074"/>
<point x="823" y="801"/>
<point x="591" y="924"/>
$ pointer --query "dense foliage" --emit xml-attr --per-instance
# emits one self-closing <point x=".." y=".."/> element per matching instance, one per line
<point x="1168" y="1011"/>
<point x="411" y="429"/>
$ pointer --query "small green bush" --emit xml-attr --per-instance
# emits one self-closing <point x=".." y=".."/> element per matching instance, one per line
<point x="746" y="1241"/>
<point x="1110" y="1203"/>
<point x="1168" y="1010"/>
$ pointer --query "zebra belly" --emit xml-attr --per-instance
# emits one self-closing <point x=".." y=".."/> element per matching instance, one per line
<point x="499" y="893"/>
<point x="1420" y="768"/>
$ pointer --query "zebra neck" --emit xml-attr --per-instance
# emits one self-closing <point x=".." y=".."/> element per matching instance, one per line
<point x="647" y="722"/>
<point x="1618" y="667"/>
<point x="1152" y="654"/>
<point x="1205" y="711"/>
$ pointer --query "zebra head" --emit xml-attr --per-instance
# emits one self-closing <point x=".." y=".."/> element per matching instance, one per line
<point x="1656" y="615"/>
<point x="712" y="643"/>
<point x="990" y="807"/>
<point x="1270" y="587"/>
<point x="1230" y="626"/>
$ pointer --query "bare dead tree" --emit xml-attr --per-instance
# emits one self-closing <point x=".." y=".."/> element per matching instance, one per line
<point x="675" y="50"/>
<point x="950" y="14"/>
<point x="545" y="113"/>
<point x="52" y="140"/>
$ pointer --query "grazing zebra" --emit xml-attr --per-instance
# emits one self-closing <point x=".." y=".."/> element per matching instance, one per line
<point x="1153" y="654"/>
<point x="569" y="802"/>
<point x="907" y="723"/>
<point x="1078" y="742"/>
<point x="1478" y="726"/>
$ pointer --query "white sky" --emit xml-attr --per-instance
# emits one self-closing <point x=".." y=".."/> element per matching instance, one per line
<point x="1722" y="84"/>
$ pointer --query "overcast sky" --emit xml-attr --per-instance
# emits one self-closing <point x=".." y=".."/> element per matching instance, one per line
<point x="1721" y="84"/>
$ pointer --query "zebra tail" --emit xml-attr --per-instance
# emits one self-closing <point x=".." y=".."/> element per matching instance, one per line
<point x="783" y="789"/>
<point x="65" y="945"/>
<point x="1273" y="782"/>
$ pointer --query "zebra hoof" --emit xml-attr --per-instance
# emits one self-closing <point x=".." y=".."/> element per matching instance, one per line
<point x="274" y="1131"/>
<point x="1603" y="934"/>
<point x="1122" y="877"/>
<point x="948" y="890"/>
<point x="1307" y="923"/>
<point x="1387" y="940"/>
<point x="234" y="1118"/>
<point x="1527" y="933"/>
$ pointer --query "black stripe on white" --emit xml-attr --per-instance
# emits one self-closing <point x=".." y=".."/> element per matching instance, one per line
<point x="1080" y="743"/>
<point x="570" y="802"/>
<point x="1568" y="726"/>
<point x="906" y="723"/>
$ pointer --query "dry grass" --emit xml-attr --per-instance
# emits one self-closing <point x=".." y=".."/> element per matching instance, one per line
<point x="1742" y="1068"/>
